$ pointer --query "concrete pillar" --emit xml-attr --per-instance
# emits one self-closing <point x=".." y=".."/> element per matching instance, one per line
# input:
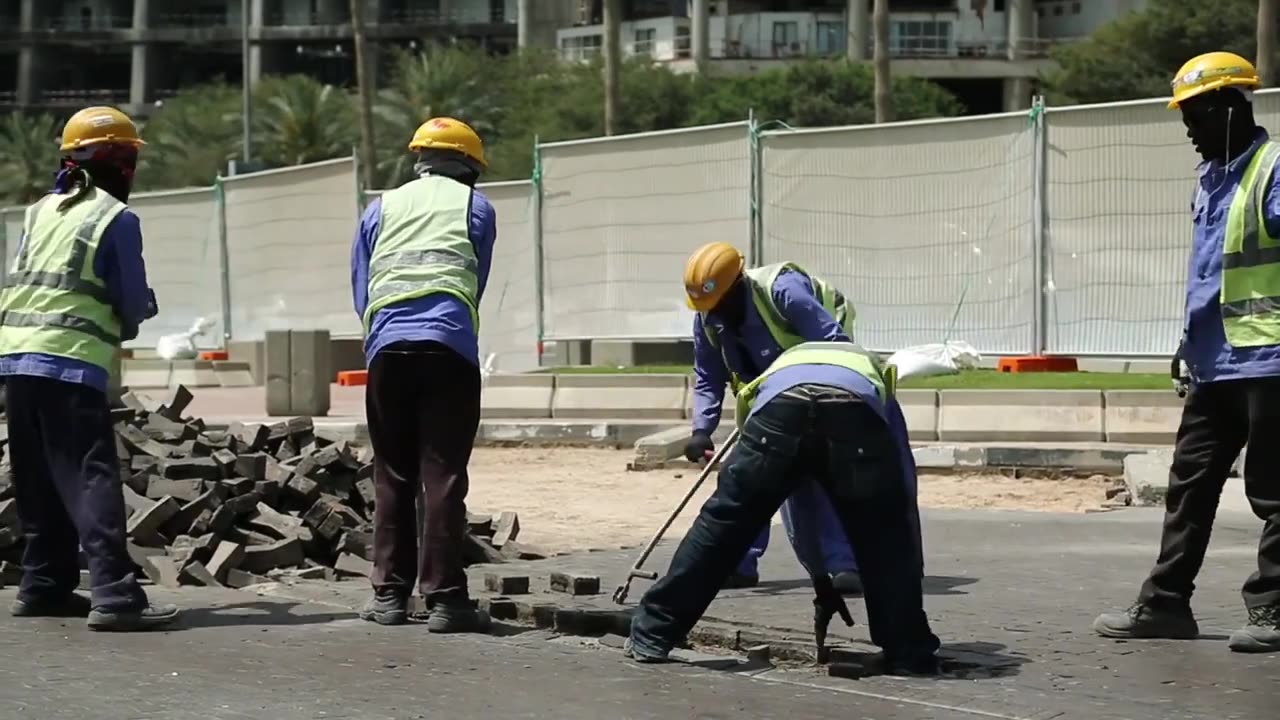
<point x="256" y="21"/>
<point x="27" y="89"/>
<point x="859" y="30"/>
<point x="701" y="34"/>
<point x="1021" y="27"/>
<point x="524" y="22"/>
<point x="140" y="71"/>
<point x="1017" y="94"/>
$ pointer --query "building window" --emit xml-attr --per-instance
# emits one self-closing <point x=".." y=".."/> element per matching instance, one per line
<point x="1075" y="8"/>
<point x="644" y="41"/>
<point x="1057" y="11"/>
<point x="786" y="39"/>
<point x="581" y="47"/>
<point x="86" y="18"/>
<point x="831" y="38"/>
<point x="920" y="37"/>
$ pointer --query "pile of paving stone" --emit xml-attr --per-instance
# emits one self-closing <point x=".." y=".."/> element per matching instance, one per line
<point x="240" y="506"/>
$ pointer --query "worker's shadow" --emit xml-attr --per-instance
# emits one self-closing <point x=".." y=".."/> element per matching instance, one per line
<point x="933" y="585"/>
<point x="956" y="661"/>
<point x="250" y="614"/>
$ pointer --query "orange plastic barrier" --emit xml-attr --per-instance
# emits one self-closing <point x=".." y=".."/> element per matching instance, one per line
<point x="214" y="355"/>
<point x="1037" y="363"/>
<point x="350" y="378"/>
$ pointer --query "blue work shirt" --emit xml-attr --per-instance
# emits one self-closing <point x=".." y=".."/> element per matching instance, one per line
<point x="1204" y="340"/>
<point x="750" y="349"/>
<point x="440" y="317"/>
<point x="118" y="262"/>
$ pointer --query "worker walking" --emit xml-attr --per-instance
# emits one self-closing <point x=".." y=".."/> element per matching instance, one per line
<point x="419" y="264"/>
<point x="822" y="414"/>
<point x="1231" y="349"/>
<point x="745" y="319"/>
<point x="77" y="289"/>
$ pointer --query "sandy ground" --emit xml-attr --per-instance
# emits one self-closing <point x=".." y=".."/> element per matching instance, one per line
<point x="570" y="498"/>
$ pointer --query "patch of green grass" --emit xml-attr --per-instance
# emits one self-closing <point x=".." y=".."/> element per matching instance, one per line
<point x="967" y="380"/>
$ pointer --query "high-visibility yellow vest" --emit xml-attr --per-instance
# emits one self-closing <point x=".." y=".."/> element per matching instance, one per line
<point x="1250" y="295"/>
<point x="760" y="282"/>
<point x="884" y="378"/>
<point x="424" y="247"/>
<point x="54" y="302"/>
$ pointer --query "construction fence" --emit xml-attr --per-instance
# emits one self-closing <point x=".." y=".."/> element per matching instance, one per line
<point x="1058" y="231"/>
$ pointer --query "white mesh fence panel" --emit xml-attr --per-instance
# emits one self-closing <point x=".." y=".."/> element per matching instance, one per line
<point x="184" y="265"/>
<point x="925" y="226"/>
<point x="622" y="215"/>
<point x="289" y="238"/>
<point x="509" y="309"/>
<point x="1121" y="179"/>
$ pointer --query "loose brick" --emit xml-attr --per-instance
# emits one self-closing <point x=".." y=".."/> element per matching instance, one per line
<point x="500" y="608"/>
<point x="248" y="438"/>
<point x="506" y="584"/>
<point x="243" y="504"/>
<point x="505" y="530"/>
<point x="226" y="557"/>
<point x="252" y="465"/>
<point x="221" y="520"/>
<point x="183" y="490"/>
<point x="198" y="468"/>
<point x="318" y="512"/>
<point x="575" y="584"/>
<point x="237" y="578"/>
<point x="301" y="430"/>
<point x="195" y="573"/>
<point x="520" y="551"/>
<point x="164" y="430"/>
<point x="249" y="537"/>
<point x="286" y="451"/>
<point x="331" y="527"/>
<point x="310" y="573"/>
<point x="175" y="403"/>
<point x="266" y="520"/>
<point x="237" y="486"/>
<point x="476" y="550"/>
<point x="226" y="461"/>
<point x="282" y="553"/>
<point x="358" y="543"/>
<point x="135" y="403"/>
<point x="181" y="521"/>
<point x="138" y="441"/>
<point x="276" y="472"/>
<point x="301" y="490"/>
<point x="353" y="565"/>
<point x="161" y="570"/>
<point x="367" y="491"/>
<point x="144" y="526"/>
<point x="269" y="490"/>
<point x="481" y="525"/>
<point x="140" y="463"/>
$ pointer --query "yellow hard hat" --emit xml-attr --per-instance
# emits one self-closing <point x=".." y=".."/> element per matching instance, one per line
<point x="99" y="124"/>
<point x="1212" y="71"/>
<point x="445" y="133"/>
<point x="712" y="271"/>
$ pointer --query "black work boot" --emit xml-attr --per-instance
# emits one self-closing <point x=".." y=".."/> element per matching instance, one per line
<point x="457" y="617"/>
<point x="738" y="580"/>
<point x="74" y="605"/>
<point x="152" y="617"/>
<point x="1144" y="622"/>
<point x="848" y="582"/>
<point x="1261" y="635"/>
<point x="386" y="607"/>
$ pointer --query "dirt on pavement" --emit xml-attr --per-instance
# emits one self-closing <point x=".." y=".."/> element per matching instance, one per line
<point x="579" y="498"/>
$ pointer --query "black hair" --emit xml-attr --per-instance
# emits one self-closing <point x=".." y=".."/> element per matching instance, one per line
<point x="448" y="163"/>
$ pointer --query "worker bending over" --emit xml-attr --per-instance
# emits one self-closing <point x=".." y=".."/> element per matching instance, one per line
<point x="823" y="414"/>
<point x="745" y="319"/>
<point x="76" y="291"/>
<point x="419" y="265"/>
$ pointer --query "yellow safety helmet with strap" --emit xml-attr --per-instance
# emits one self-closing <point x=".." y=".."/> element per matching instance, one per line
<point x="1212" y="71"/>
<point x="98" y="125"/>
<point x="712" y="271"/>
<point x="444" y="133"/>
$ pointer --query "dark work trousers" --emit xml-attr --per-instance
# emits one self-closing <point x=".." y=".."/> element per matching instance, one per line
<point x="423" y="405"/>
<point x="840" y="443"/>
<point x="66" y="479"/>
<point x="1218" y="419"/>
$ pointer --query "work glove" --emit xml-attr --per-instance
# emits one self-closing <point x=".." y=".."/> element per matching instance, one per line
<point x="1180" y="374"/>
<point x="153" y="308"/>
<point x="700" y="447"/>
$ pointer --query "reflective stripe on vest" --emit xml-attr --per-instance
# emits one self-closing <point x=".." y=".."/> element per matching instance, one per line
<point x="840" y="354"/>
<point x="54" y="302"/>
<point x="761" y="281"/>
<point x="1250" y="295"/>
<point x="424" y="247"/>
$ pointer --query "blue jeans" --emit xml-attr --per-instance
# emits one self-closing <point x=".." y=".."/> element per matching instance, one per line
<point x="853" y="455"/>
<point x="809" y="503"/>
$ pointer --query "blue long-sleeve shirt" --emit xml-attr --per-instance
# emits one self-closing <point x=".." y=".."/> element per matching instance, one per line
<point x="118" y="262"/>
<point x="1205" y="349"/>
<point x="750" y="349"/>
<point x="438" y="317"/>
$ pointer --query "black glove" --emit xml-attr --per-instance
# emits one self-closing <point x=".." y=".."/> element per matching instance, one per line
<point x="698" y="447"/>
<point x="153" y="308"/>
<point x="1179" y="373"/>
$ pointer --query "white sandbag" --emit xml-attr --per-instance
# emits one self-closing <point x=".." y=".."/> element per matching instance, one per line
<point x="182" y="346"/>
<point x="947" y="358"/>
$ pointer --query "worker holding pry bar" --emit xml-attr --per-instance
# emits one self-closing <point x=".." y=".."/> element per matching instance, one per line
<point x="821" y="420"/>
<point x="745" y="319"/>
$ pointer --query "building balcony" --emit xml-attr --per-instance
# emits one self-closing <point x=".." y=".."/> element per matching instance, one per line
<point x="84" y="97"/>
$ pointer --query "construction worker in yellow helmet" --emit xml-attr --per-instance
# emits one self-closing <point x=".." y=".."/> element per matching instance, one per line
<point x="420" y="262"/>
<point x="745" y="319"/>
<point x="1228" y="361"/>
<point x="77" y="289"/>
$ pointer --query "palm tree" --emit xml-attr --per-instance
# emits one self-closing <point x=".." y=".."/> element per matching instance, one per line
<point x="884" y="82"/>
<point x="1267" y="40"/>
<point x="612" y="64"/>
<point x="31" y="156"/>
<point x="298" y="120"/>
<point x="464" y="83"/>
<point x="191" y="138"/>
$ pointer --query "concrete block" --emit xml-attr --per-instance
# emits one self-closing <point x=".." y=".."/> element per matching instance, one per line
<point x="1142" y="416"/>
<point x="575" y="584"/>
<point x="934" y="457"/>
<point x="1020" y="416"/>
<point x="237" y="578"/>
<point x="226" y="557"/>
<point x="144" y="524"/>
<point x="283" y="553"/>
<point x="620" y="396"/>
<point x="309" y="372"/>
<point x="353" y="565"/>
<point x="231" y="373"/>
<point x="506" y="584"/>
<point x="920" y="409"/>
<point x="276" y="372"/>
<point x="517" y="396"/>
<point x="1146" y="476"/>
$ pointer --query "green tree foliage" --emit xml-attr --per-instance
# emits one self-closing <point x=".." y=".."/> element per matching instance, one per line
<point x="30" y="159"/>
<point x="1136" y="55"/>
<point x="190" y="138"/>
<point x="299" y="120"/>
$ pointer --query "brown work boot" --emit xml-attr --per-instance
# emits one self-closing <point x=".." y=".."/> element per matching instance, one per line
<point x="457" y="617"/>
